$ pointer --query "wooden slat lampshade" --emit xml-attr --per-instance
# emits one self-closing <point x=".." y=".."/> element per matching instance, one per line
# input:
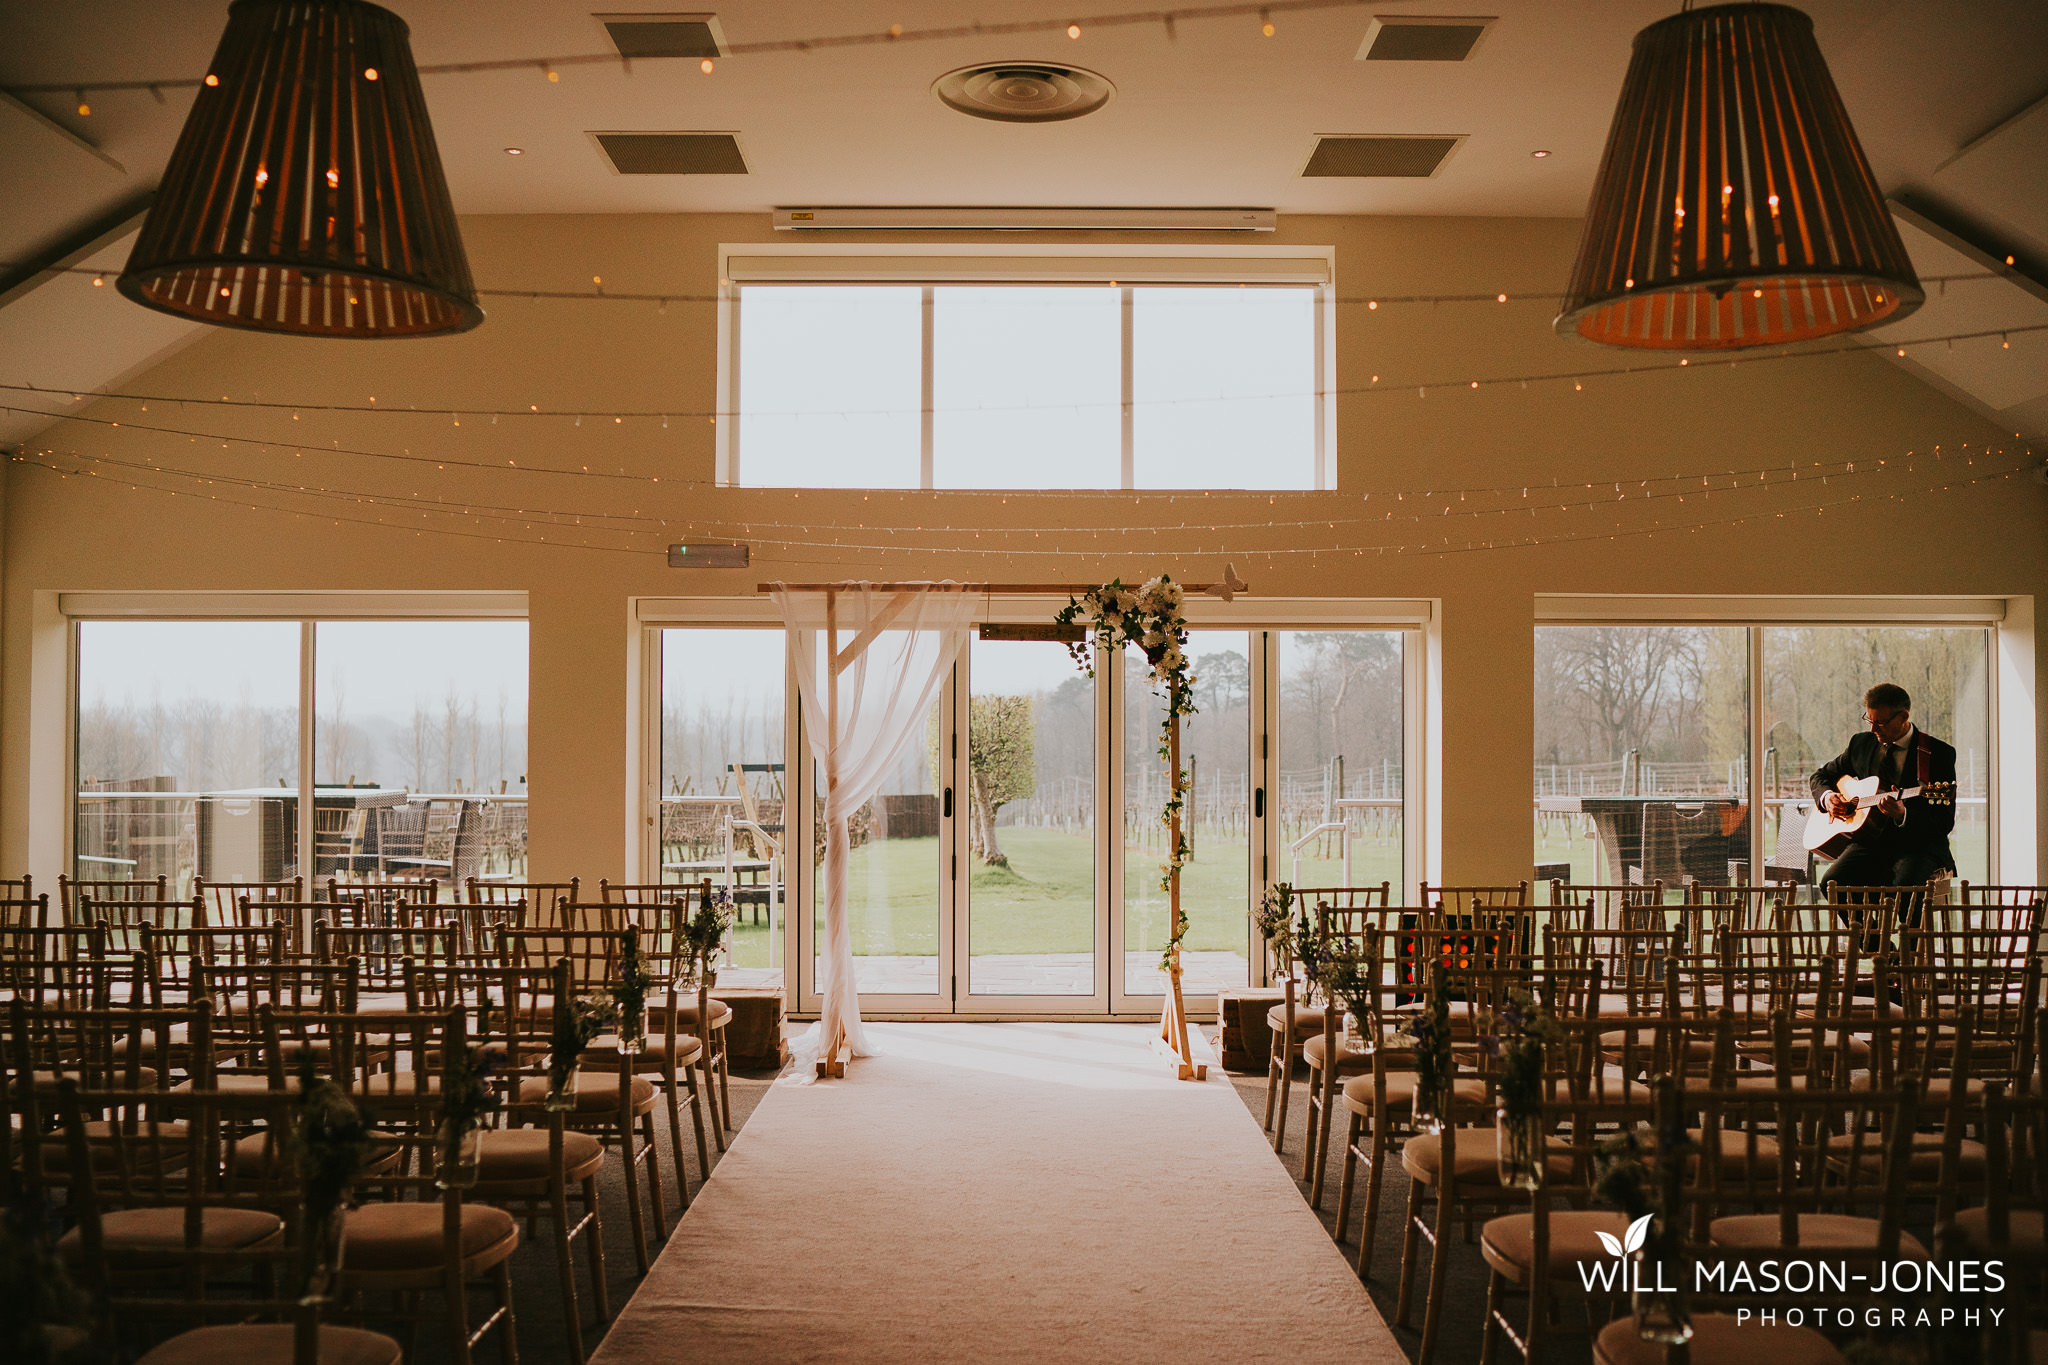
<point x="305" y="194"/>
<point x="1734" y="206"/>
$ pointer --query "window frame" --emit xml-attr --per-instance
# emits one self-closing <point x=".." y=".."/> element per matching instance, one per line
<point x="2012" y="775"/>
<point x="307" y="610"/>
<point x="930" y="266"/>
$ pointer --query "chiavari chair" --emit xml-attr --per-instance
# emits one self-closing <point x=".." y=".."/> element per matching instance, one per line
<point x="68" y="967"/>
<point x="238" y="997"/>
<point x="1536" y="1254"/>
<point x="1631" y="963"/>
<point x="676" y="1059"/>
<point x="667" y="951"/>
<point x="538" y="897"/>
<point x="1878" y="911"/>
<point x="1589" y="908"/>
<point x="1696" y="922"/>
<point x="424" y="1234"/>
<point x="2008" y="1225"/>
<point x="24" y="912"/>
<point x="154" y="891"/>
<point x="1994" y="907"/>
<point x="218" y="902"/>
<point x="209" y="1227"/>
<point x="382" y="955"/>
<point x="621" y="1114"/>
<point x="22" y="888"/>
<point x="530" y="1162"/>
<point x="1463" y="900"/>
<point x="642" y="893"/>
<point x="1454" y="1176"/>
<point x="2003" y="998"/>
<point x="1350" y="920"/>
<point x="296" y="916"/>
<point x="1840" y="1154"/>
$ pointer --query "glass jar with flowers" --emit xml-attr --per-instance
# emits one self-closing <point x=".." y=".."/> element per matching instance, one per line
<point x="1522" y="1028"/>
<point x="703" y="936"/>
<point x="329" y="1143"/>
<point x="1643" y="1175"/>
<point x="1272" y="917"/>
<point x="629" y="995"/>
<point x="578" y="1019"/>
<point x="1427" y="1031"/>
<point x="468" y="1100"/>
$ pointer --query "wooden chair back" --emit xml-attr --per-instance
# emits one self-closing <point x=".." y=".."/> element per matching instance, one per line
<point x="220" y="902"/>
<point x="1588" y="908"/>
<point x="1456" y="900"/>
<point x="383" y="954"/>
<point x="70" y="893"/>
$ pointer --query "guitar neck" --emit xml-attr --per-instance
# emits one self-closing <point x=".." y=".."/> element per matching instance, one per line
<point x="1866" y="802"/>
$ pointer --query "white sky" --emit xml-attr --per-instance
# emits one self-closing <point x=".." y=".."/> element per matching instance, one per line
<point x="1026" y="387"/>
<point x="382" y="666"/>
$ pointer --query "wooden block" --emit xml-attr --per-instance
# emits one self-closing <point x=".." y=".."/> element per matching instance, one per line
<point x="755" y="1033"/>
<point x="1241" y="1034"/>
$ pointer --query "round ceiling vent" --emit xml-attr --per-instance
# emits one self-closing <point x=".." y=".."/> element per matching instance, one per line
<point x="1023" y="92"/>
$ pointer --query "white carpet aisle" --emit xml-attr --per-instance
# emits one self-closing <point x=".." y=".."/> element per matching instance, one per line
<point x="1000" y="1192"/>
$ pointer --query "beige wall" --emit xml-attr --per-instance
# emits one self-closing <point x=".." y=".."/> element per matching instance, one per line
<point x="95" y="533"/>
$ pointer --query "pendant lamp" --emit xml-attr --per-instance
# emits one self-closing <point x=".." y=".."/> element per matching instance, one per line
<point x="305" y="195"/>
<point x="1734" y="206"/>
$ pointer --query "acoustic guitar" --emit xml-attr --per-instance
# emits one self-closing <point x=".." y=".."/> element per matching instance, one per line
<point x="1828" y="835"/>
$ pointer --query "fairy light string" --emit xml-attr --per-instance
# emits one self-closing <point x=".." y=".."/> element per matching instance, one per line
<point x="1378" y="387"/>
<point x="1431" y="503"/>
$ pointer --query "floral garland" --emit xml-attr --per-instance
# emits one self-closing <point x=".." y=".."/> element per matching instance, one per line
<point x="1150" y="618"/>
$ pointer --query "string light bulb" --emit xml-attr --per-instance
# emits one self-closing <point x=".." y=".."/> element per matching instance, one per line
<point x="707" y="66"/>
<point x="1073" y="31"/>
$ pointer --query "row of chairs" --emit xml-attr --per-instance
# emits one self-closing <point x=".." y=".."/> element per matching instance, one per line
<point x="1808" y="1010"/>
<point x="175" y="1114"/>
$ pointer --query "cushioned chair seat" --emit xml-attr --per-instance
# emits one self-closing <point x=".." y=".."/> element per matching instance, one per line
<point x="250" y="1158"/>
<point x="1348" y="1059"/>
<point x="1716" y="1338"/>
<point x="1817" y="1231"/>
<point x="402" y="1238"/>
<point x="1308" y="1022"/>
<point x="686" y="1013"/>
<point x="270" y="1343"/>
<point x="1926" y="1161"/>
<point x="518" y="1156"/>
<point x="603" y="1053"/>
<point x="143" y="1078"/>
<point x="2023" y="1233"/>
<point x="599" y="1098"/>
<point x="381" y="1002"/>
<point x="1737" y="1155"/>
<point x="154" y="1239"/>
<point x="1509" y="1243"/>
<point x="1478" y="1158"/>
<point x="161" y="1148"/>
<point x="1696" y="1049"/>
<point x="1358" y="1091"/>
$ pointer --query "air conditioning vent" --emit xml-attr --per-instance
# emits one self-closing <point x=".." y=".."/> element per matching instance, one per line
<point x="1421" y="38"/>
<point x="673" y="153"/>
<point x="1410" y="155"/>
<point x="664" y="35"/>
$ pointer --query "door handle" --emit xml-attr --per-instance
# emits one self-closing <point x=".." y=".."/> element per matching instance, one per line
<point x="948" y="811"/>
<point x="1258" y="803"/>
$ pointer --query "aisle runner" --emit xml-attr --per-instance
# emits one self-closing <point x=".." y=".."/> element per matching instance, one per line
<point x="1000" y="1192"/>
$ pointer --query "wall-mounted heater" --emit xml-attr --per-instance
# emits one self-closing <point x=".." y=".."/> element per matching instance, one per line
<point x="1025" y="220"/>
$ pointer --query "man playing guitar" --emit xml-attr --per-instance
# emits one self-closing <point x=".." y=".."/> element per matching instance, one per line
<point x="1903" y="842"/>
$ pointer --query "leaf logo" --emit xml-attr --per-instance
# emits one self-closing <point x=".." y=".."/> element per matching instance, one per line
<point x="1632" y="1240"/>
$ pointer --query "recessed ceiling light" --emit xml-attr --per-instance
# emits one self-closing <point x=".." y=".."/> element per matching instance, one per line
<point x="1540" y="153"/>
<point x="515" y="151"/>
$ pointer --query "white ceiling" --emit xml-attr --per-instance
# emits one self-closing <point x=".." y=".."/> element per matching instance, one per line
<point x="1946" y="96"/>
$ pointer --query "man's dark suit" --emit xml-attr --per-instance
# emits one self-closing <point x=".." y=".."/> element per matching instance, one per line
<point x="1883" y="853"/>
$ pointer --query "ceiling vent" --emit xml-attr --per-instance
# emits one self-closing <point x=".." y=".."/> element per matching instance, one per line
<point x="1414" y="156"/>
<point x="664" y="35"/>
<point x="1421" y="38"/>
<point x="1023" y="92"/>
<point x="672" y="153"/>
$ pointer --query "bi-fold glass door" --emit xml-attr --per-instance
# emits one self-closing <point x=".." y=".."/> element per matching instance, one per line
<point x="1012" y="863"/>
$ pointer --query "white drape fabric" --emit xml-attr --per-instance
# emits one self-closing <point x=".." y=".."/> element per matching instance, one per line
<point x="868" y="663"/>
